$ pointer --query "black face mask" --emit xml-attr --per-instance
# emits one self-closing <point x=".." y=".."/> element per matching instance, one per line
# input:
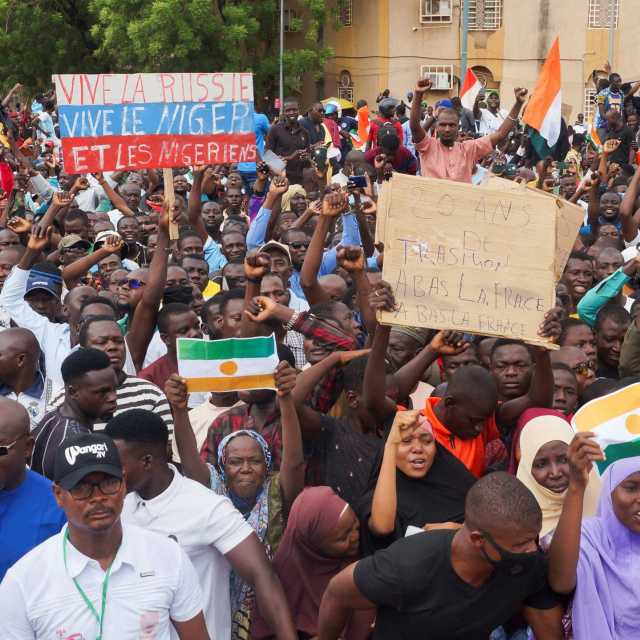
<point x="178" y="293"/>
<point x="511" y="564"/>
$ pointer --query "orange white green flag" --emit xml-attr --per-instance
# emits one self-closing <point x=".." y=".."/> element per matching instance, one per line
<point x="544" y="110"/>
<point x="615" y="421"/>
<point x="233" y="364"/>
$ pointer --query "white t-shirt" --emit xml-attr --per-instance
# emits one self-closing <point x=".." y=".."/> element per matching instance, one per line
<point x="490" y="123"/>
<point x="206" y="526"/>
<point x="152" y="582"/>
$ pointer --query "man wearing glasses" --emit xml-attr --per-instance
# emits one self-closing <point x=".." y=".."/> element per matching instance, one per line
<point x="30" y="514"/>
<point x="99" y="578"/>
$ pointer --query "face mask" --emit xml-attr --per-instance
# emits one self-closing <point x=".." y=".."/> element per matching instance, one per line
<point x="511" y="564"/>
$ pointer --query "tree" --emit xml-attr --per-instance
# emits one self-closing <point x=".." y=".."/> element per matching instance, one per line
<point x="42" y="37"/>
<point x="207" y="35"/>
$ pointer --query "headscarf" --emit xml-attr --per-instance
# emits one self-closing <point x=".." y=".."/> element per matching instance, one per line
<point x="257" y="516"/>
<point x="606" y="605"/>
<point x="437" y="497"/>
<point x="293" y="190"/>
<point x="523" y="420"/>
<point x="303" y="569"/>
<point x="537" y="433"/>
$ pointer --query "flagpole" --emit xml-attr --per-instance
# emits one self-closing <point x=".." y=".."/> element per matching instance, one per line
<point x="465" y="40"/>
<point x="611" y="31"/>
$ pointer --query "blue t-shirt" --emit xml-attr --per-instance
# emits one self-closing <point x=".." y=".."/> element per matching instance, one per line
<point x="28" y="516"/>
<point x="261" y="127"/>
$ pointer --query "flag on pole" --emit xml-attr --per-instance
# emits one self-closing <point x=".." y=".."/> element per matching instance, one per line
<point x="615" y="421"/>
<point x="594" y="137"/>
<point x="471" y="87"/>
<point x="234" y="364"/>
<point x="544" y="111"/>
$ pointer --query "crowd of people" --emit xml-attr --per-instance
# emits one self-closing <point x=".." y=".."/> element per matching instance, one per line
<point x="399" y="482"/>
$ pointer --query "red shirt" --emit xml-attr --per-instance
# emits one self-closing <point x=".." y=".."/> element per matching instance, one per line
<point x="159" y="371"/>
<point x="374" y="127"/>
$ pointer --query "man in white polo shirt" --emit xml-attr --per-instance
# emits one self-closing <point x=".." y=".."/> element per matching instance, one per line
<point x="207" y="526"/>
<point x="99" y="578"/>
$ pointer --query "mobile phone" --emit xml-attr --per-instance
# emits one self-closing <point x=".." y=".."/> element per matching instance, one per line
<point x="274" y="162"/>
<point x="360" y="182"/>
<point x="320" y="157"/>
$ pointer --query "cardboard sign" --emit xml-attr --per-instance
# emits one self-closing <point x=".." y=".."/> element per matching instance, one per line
<point x="570" y="218"/>
<point x="114" y="122"/>
<point x="469" y="258"/>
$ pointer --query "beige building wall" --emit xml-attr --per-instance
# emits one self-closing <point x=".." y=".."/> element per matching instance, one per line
<point x="387" y="45"/>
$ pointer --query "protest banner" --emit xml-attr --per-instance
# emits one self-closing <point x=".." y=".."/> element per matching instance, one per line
<point x="469" y="258"/>
<point x="614" y="420"/>
<point x="570" y="218"/>
<point x="115" y="122"/>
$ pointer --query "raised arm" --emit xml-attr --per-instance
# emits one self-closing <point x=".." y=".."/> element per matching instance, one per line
<point x="540" y="393"/>
<point x="417" y="132"/>
<point x="78" y="268"/>
<point x="258" y="229"/>
<point x="333" y="205"/>
<point x="498" y="136"/>
<point x="352" y="260"/>
<point x="374" y="393"/>
<point x="628" y="209"/>
<point x="143" y="323"/>
<point x="192" y="465"/>
<point x="292" y="467"/>
<point x="256" y="266"/>
<point x="565" y="545"/>
<point x="382" y="521"/>
<point x="194" y="207"/>
<point x="116" y="199"/>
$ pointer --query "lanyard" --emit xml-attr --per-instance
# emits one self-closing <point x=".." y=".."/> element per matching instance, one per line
<point x="105" y="586"/>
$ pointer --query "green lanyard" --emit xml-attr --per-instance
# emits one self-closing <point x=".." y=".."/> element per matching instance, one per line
<point x="105" y="586"/>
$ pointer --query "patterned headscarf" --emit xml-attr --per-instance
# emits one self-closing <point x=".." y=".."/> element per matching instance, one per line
<point x="243" y="432"/>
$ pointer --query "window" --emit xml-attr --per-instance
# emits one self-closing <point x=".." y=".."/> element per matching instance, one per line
<point x="485" y="15"/>
<point x="589" y="107"/>
<point x="291" y="21"/>
<point x="345" y="12"/>
<point x="435" y="11"/>
<point x="345" y="93"/>
<point x="440" y="76"/>
<point x="601" y="12"/>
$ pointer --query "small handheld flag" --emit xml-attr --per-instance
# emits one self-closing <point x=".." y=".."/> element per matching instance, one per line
<point x="615" y="421"/>
<point x="233" y="364"/>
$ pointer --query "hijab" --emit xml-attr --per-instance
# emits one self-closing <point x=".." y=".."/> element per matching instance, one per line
<point x="304" y="571"/>
<point x="524" y="418"/>
<point x="292" y="191"/>
<point x="439" y="496"/>
<point x="535" y="434"/>
<point x="606" y="605"/>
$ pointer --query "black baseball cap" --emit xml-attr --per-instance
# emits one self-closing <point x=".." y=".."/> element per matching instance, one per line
<point x="80" y="455"/>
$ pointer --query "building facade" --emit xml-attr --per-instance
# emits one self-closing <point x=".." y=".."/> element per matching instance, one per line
<point x="390" y="43"/>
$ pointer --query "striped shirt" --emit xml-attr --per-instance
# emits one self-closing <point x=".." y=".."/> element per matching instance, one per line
<point x="134" y="393"/>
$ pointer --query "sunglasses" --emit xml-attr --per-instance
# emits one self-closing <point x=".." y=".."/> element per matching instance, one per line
<point x="84" y="490"/>
<point x="6" y="448"/>
<point x="299" y="245"/>
<point x="134" y="283"/>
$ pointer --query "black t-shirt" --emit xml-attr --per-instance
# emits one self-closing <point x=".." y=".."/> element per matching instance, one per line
<point x="343" y="459"/>
<point x="315" y="131"/>
<point x="419" y="595"/>
<point x="283" y="142"/>
<point x="621" y="155"/>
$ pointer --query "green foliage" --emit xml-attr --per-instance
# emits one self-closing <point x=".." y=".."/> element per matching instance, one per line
<point x="42" y="37"/>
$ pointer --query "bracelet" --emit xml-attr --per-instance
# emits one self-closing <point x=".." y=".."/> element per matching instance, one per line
<point x="292" y="320"/>
<point x="512" y="118"/>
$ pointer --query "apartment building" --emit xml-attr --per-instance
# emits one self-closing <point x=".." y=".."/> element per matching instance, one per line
<point x="390" y="43"/>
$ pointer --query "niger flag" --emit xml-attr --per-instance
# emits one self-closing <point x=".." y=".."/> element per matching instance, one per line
<point x="544" y="111"/>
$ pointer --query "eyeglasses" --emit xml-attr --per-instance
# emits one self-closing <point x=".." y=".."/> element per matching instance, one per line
<point x="299" y="245"/>
<point x="134" y="283"/>
<point x="6" y="448"/>
<point x="108" y="486"/>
